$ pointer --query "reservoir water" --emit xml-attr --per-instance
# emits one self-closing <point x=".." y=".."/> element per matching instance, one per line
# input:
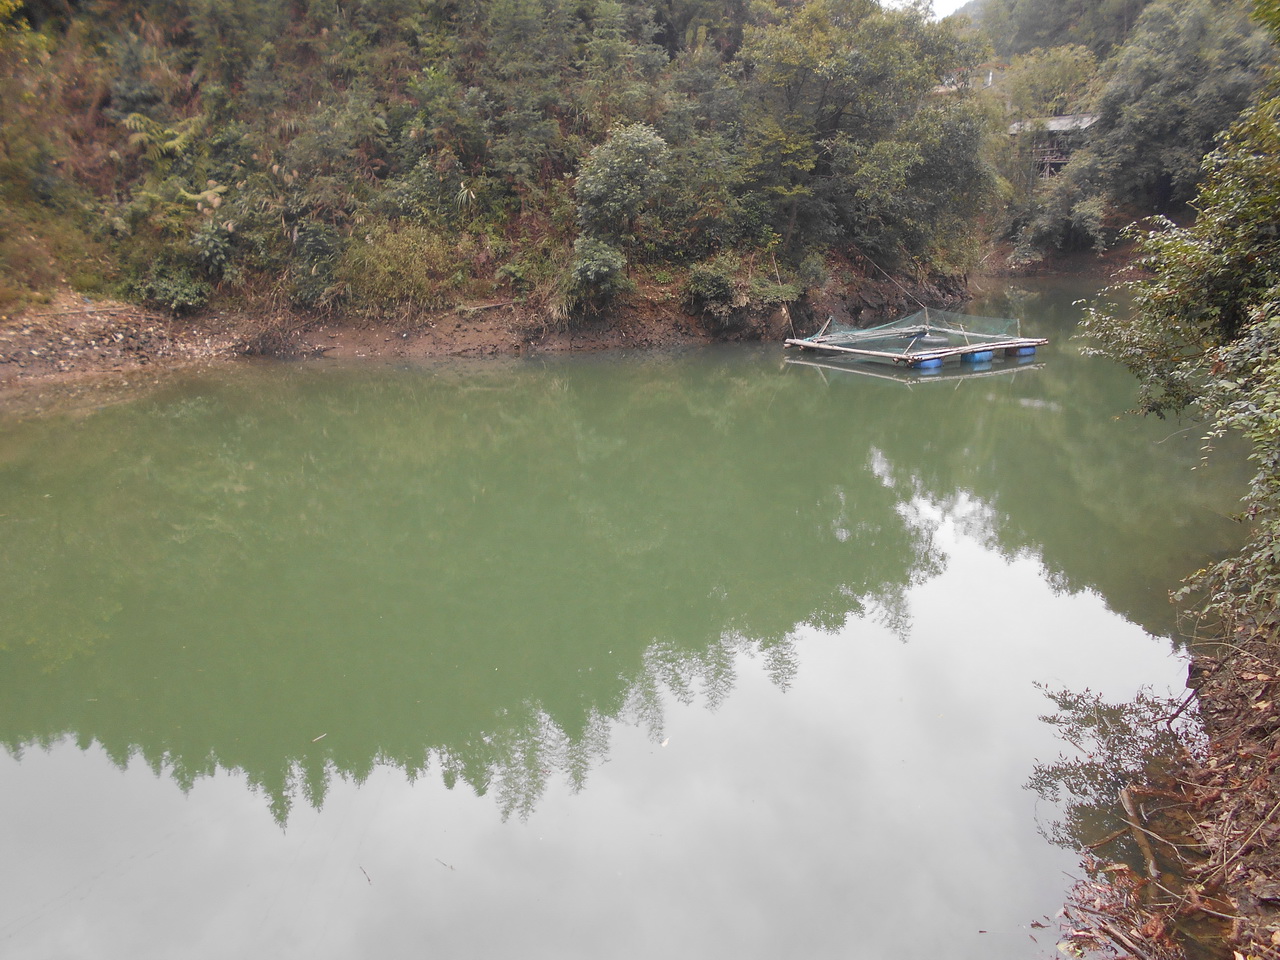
<point x="700" y="654"/>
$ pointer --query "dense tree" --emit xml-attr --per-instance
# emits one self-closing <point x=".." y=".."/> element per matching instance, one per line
<point x="258" y="148"/>
<point x="1184" y="73"/>
<point x="1020" y="26"/>
<point x="1050" y="83"/>
<point x="1204" y="332"/>
<point x="834" y="91"/>
<point x="1187" y="71"/>
<point x="618" y="178"/>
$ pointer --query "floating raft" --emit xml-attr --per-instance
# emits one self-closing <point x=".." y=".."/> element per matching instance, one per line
<point x="925" y="340"/>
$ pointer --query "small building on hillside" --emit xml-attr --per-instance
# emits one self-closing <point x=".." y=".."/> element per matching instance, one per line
<point x="1054" y="139"/>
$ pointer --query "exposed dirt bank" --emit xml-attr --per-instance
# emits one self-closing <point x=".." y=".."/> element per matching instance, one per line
<point x="75" y="348"/>
<point x="74" y="353"/>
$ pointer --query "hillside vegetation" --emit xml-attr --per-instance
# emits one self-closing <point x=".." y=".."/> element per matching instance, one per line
<point x="395" y="156"/>
<point x="1157" y="82"/>
<point x="418" y="153"/>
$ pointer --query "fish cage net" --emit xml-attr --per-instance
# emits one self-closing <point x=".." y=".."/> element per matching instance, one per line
<point x="923" y="332"/>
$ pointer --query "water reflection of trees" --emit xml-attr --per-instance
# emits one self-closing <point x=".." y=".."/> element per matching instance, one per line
<point x="1106" y="502"/>
<point x="479" y="572"/>
<point x="1109" y="747"/>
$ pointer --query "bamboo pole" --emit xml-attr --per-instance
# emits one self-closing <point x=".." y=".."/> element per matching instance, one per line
<point x="915" y="357"/>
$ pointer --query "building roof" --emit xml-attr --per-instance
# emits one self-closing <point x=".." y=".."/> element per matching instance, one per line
<point x="1067" y="124"/>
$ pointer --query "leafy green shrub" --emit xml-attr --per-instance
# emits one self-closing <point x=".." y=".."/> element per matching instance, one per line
<point x="598" y="274"/>
<point x="174" y="286"/>
<point x="812" y="271"/>
<point x="514" y="273"/>
<point x="717" y="290"/>
<point x="772" y="293"/>
<point x="1089" y="219"/>
<point x="212" y="243"/>
<point x="711" y="289"/>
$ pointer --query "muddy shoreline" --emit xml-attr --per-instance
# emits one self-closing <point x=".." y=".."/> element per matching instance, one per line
<point x="74" y="345"/>
<point x="74" y="339"/>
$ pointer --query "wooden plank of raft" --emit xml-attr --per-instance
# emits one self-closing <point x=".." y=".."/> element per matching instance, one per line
<point x="978" y="348"/>
<point x="805" y="344"/>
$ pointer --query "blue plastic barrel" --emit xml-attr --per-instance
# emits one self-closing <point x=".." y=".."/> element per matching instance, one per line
<point x="1020" y="352"/>
<point x="982" y="356"/>
<point x="930" y="363"/>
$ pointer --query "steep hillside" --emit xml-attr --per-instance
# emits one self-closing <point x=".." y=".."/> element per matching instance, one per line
<point x="395" y="156"/>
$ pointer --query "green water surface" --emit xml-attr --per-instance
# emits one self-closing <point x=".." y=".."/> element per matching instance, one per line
<point x="695" y="654"/>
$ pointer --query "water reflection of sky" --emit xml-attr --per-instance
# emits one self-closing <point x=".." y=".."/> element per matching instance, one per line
<point x="873" y="808"/>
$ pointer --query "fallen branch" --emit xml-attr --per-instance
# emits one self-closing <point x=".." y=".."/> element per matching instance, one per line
<point x="1168" y="721"/>
<point x="1100" y="922"/>
<point x="1107" y="839"/>
<point x="1119" y="937"/>
<point x="1191" y="902"/>
<point x="483" y="306"/>
<point x="1139" y="834"/>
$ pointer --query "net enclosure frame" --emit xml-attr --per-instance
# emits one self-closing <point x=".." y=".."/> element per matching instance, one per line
<point x="925" y="338"/>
